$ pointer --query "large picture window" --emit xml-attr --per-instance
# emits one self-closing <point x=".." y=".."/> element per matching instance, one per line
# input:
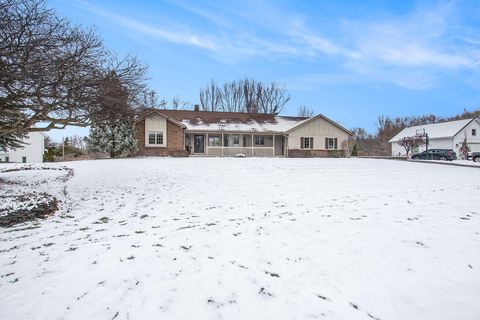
<point x="155" y="138"/>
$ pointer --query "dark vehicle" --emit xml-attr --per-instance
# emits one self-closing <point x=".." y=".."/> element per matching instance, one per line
<point x="436" y="154"/>
<point x="475" y="156"/>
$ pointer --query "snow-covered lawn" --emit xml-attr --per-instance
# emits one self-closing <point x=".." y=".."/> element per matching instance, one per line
<point x="198" y="238"/>
<point x="459" y="162"/>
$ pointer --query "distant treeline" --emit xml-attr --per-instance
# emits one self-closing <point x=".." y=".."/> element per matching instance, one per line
<point x="377" y="143"/>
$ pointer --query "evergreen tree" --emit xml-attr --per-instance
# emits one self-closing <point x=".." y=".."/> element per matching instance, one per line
<point x="116" y="137"/>
<point x="354" y="150"/>
<point x="113" y="132"/>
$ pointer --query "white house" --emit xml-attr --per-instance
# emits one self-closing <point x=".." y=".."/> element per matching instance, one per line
<point x="444" y="135"/>
<point x="31" y="152"/>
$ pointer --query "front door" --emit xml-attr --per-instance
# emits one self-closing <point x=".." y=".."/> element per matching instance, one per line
<point x="199" y="143"/>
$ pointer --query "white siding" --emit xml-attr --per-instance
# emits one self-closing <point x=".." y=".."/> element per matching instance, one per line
<point x="472" y="141"/>
<point x="447" y="143"/>
<point x="33" y="150"/>
<point x="158" y="124"/>
<point x="450" y="142"/>
<point x="319" y="129"/>
<point x="397" y="150"/>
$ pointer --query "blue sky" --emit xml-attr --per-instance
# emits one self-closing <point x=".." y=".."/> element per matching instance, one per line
<point x="350" y="60"/>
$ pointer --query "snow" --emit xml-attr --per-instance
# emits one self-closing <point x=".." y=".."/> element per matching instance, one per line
<point x="248" y="238"/>
<point x="280" y="125"/>
<point x="435" y="130"/>
<point x="458" y="162"/>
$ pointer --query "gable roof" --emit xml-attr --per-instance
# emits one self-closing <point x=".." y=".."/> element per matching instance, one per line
<point x="301" y="123"/>
<point x="149" y="112"/>
<point x="439" y="130"/>
<point x="227" y="121"/>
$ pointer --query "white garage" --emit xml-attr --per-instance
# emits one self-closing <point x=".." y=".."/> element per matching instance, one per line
<point x="443" y="135"/>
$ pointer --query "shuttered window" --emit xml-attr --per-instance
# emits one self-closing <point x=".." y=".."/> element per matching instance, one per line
<point x="306" y="142"/>
<point x="331" y="143"/>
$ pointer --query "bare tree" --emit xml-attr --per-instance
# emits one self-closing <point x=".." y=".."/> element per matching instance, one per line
<point x="271" y="98"/>
<point x="233" y="99"/>
<point x="50" y="71"/>
<point x="250" y="95"/>
<point x="304" y="111"/>
<point x="410" y="143"/>
<point x="179" y="104"/>
<point x="244" y="95"/>
<point x="210" y="97"/>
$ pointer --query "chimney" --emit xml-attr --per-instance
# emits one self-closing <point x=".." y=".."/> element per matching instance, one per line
<point x="196" y="107"/>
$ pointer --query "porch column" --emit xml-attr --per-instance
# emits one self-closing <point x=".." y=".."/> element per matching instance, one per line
<point x="273" y="151"/>
<point x="206" y="144"/>
<point x="252" y="145"/>
<point x="285" y="146"/>
<point x="222" y="143"/>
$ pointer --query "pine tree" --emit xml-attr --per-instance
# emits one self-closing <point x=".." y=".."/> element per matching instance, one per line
<point x="113" y="132"/>
<point x="116" y="137"/>
<point x="354" y="150"/>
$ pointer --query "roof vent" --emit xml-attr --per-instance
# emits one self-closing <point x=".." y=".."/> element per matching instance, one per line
<point x="196" y="107"/>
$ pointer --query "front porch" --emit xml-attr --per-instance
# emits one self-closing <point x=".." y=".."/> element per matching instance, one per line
<point x="232" y="144"/>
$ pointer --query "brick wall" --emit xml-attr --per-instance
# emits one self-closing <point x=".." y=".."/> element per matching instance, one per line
<point x="174" y="142"/>
<point x="305" y="153"/>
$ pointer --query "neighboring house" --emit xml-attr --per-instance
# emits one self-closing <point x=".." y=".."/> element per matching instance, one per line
<point x="444" y="135"/>
<point x="183" y="133"/>
<point x="31" y="152"/>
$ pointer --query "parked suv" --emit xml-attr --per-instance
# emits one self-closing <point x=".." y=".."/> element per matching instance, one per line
<point x="475" y="156"/>
<point x="436" y="154"/>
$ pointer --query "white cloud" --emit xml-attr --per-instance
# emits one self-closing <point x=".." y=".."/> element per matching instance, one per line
<point x="428" y="37"/>
<point x="410" y="50"/>
<point x="166" y="33"/>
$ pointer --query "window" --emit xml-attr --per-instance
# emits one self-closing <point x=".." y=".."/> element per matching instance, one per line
<point x="159" y="137"/>
<point x="236" y="140"/>
<point x="24" y="159"/>
<point x="474" y="132"/>
<point x="151" y="138"/>
<point x="306" y="142"/>
<point x="225" y="140"/>
<point x="214" y="141"/>
<point x="331" y="143"/>
<point x="155" y="138"/>
<point x="259" y="140"/>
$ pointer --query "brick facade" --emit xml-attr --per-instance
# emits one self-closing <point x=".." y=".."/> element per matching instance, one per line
<point x="174" y="146"/>
<point x="305" y="153"/>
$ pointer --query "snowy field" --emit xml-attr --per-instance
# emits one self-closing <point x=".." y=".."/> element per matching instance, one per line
<point x="458" y="162"/>
<point x="197" y="238"/>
